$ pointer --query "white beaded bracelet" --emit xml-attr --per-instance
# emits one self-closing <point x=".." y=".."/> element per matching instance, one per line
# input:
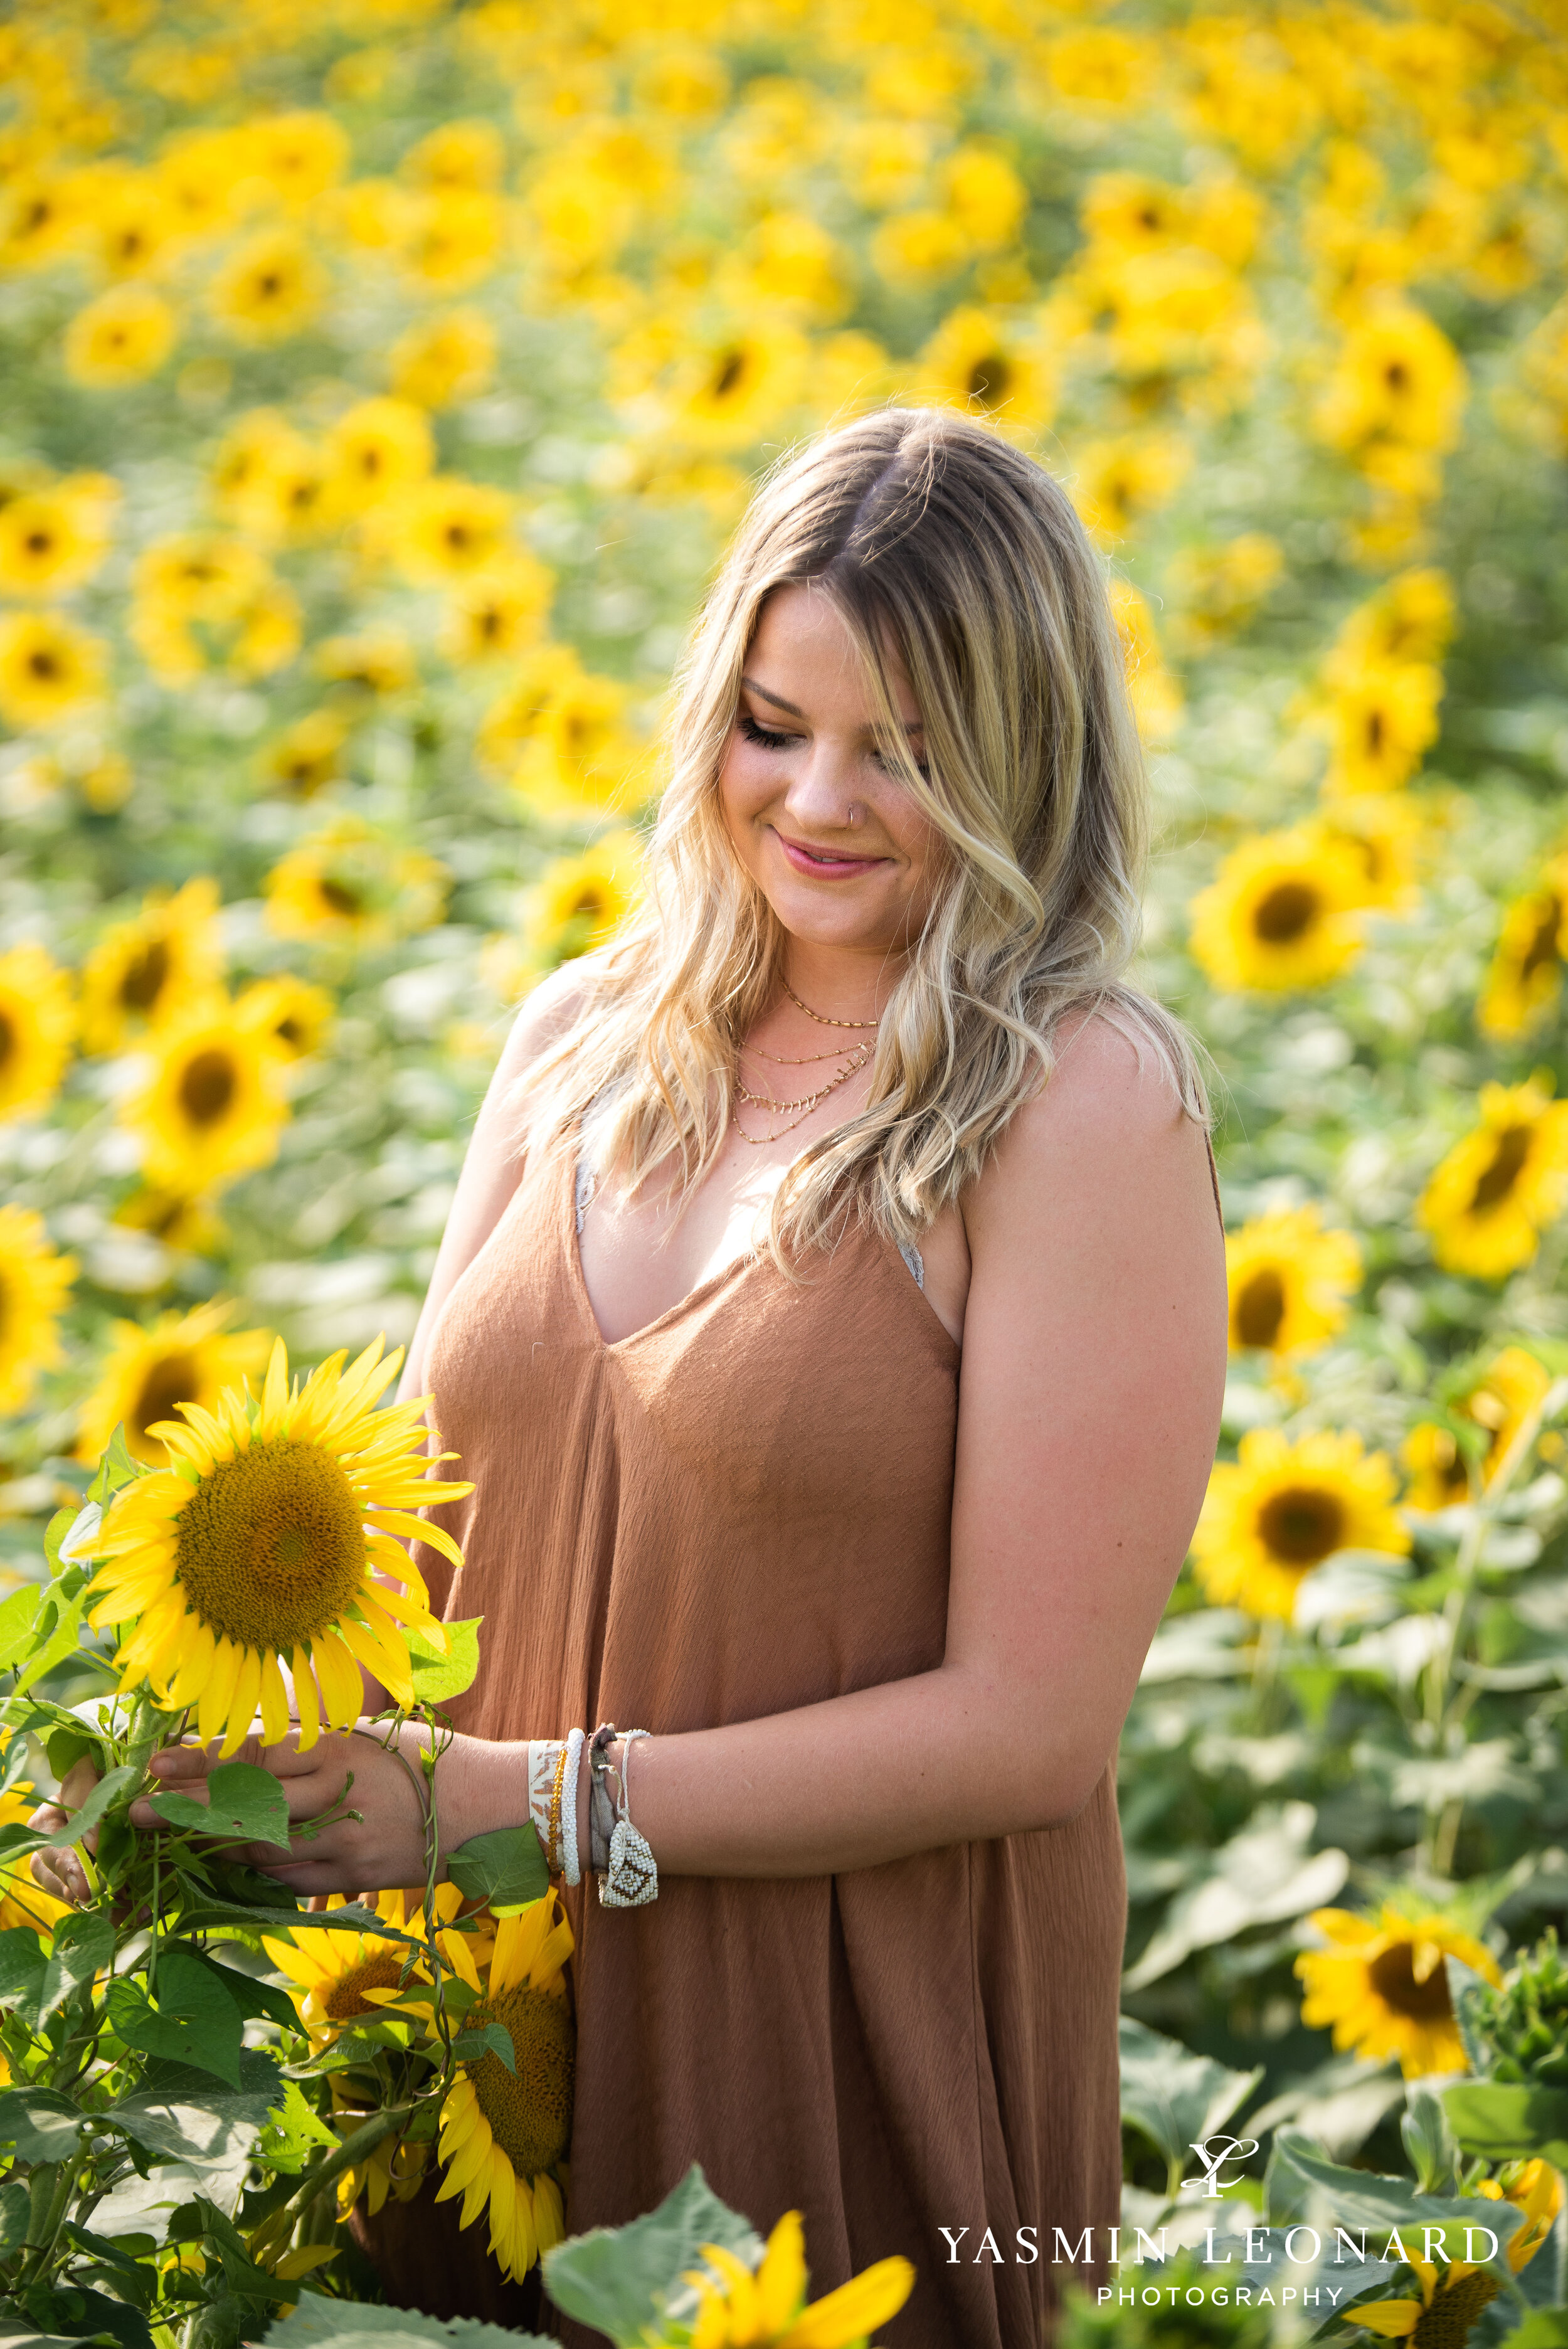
<point x="570" y="1866"/>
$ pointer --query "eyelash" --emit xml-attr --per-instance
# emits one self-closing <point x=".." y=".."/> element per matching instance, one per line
<point x="766" y="739"/>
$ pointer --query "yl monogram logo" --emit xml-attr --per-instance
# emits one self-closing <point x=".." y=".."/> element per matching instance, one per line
<point x="1214" y="2152"/>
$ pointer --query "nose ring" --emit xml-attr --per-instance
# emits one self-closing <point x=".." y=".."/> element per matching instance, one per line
<point x="853" y="815"/>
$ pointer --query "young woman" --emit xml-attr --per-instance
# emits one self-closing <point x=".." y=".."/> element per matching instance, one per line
<point x="831" y="1319"/>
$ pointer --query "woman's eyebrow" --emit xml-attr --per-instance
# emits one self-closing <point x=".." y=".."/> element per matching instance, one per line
<point x="775" y="698"/>
<point x="910" y="725"/>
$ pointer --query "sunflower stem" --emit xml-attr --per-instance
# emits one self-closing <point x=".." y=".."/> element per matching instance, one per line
<point x="1443" y="1824"/>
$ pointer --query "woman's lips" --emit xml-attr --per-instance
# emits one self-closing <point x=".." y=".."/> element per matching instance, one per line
<point x="825" y="864"/>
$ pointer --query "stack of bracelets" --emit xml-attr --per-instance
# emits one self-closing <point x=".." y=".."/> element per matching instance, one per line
<point x="627" y="1872"/>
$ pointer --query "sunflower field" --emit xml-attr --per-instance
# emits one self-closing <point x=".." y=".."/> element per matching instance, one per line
<point x="383" y="379"/>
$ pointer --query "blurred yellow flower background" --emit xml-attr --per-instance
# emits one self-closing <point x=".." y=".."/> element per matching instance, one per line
<point x="382" y="380"/>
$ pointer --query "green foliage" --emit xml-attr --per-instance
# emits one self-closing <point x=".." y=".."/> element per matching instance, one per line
<point x="507" y="1867"/>
<point x="626" y="2280"/>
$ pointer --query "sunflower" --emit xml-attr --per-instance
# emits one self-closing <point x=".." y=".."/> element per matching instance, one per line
<point x="1410" y="619"/>
<point x="123" y="336"/>
<point x="208" y="600"/>
<point x="580" y="901"/>
<point x="1383" y="1987"/>
<point x="1277" y="915"/>
<point x="451" y="238"/>
<point x="1381" y="717"/>
<point x="446" y="529"/>
<point x="38" y="1022"/>
<point x="1501" y="1400"/>
<point x="53" y="540"/>
<point x="289" y="1012"/>
<point x="504" y="2133"/>
<point x="299" y="154"/>
<point x="979" y="363"/>
<point x="1489" y="1200"/>
<point x="34" y="1283"/>
<point x="49" y="669"/>
<point x="151" y="966"/>
<point x="338" y="1976"/>
<point x="498" y="611"/>
<point x="148" y="1373"/>
<point x="731" y="383"/>
<point x="22" y="1902"/>
<point x="1453" y="2297"/>
<point x="769" y="2306"/>
<point x="275" y="1535"/>
<point x="212" y="1106"/>
<point x="1525" y="981"/>
<point x="1383" y="835"/>
<point x="1119" y="480"/>
<point x="1222" y="587"/>
<point x="1437" y="1468"/>
<point x="308" y="755"/>
<point x="271" y="287"/>
<point x="376" y="449"/>
<point x="1281" y="1508"/>
<point x="557" y="734"/>
<point x="1398" y="378"/>
<point x="445" y="358"/>
<point x="352" y="885"/>
<point x="1290" y="1282"/>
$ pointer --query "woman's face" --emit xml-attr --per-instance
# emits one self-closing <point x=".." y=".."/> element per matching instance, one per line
<point x="819" y="816"/>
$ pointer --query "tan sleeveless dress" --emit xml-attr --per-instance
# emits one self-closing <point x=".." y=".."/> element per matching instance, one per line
<point x="740" y="1509"/>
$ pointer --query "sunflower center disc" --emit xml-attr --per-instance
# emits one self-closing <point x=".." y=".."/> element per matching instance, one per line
<point x="1302" y="1526"/>
<point x="345" y="1999"/>
<point x="1447" y="2321"/>
<point x="1260" y="1308"/>
<point x="171" y="1379"/>
<point x="530" y="2116"/>
<point x="1508" y="1163"/>
<point x="1289" y="908"/>
<point x="1394" y="1980"/>
<point x="270" y="1546"/>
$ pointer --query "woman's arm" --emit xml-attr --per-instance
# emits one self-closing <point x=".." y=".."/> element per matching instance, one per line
<point x="1094" y="1360"/>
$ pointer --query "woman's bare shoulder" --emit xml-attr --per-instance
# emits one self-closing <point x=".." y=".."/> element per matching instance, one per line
<point x="1105" y="1131"/>
<point x="547" y="1013"/>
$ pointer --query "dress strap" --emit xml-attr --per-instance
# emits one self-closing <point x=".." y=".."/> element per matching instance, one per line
<point x="584" y="1191"/>
<point x="916" y="1264"/>
<point x="1213" y="1182"/>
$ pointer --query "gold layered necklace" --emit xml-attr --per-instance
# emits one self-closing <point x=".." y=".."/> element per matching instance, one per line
<point x="857" y="1056"/>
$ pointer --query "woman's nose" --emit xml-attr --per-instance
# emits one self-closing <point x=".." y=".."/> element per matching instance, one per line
<point x="823" y="785"/>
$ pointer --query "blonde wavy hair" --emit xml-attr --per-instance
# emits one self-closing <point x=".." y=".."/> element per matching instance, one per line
<point x="950" y="555"/>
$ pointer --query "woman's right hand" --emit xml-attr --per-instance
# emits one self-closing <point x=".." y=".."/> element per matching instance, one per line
<point x="60" y="1872"/>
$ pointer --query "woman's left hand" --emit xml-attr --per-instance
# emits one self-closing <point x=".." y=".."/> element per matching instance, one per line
<point x="385" y="1846"/>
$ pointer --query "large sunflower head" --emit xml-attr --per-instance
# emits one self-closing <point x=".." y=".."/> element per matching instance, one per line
<point x="769" y="2307"/>
<point x="1278" y="913"/>
<point x="338" y="1976"/>
<point x="154" y="964"/>
<point x="34" y="1285"/>
<point x="38" y="1022"/>
<point x="1281" y="1508"/>
<point x="1290" y="1282"/>
<point x="1489" y="1199"/>
<point x="1382" y="1987"/>
<point x="274" y="1535"/>
<point x="214" y="1103"/>
<point x="148" y="1373"/>
<point x="1382" y="716"/>
<point x="977" y="362"/>
<point x="504" y="2133"/>
<point x="53" y="539"/>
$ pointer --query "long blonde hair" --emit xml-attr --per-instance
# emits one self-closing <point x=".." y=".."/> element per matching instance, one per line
<point x="950" y="555"/>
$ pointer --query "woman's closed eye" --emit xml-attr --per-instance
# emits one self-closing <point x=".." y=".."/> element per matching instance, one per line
<point x="763" y="736"/>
